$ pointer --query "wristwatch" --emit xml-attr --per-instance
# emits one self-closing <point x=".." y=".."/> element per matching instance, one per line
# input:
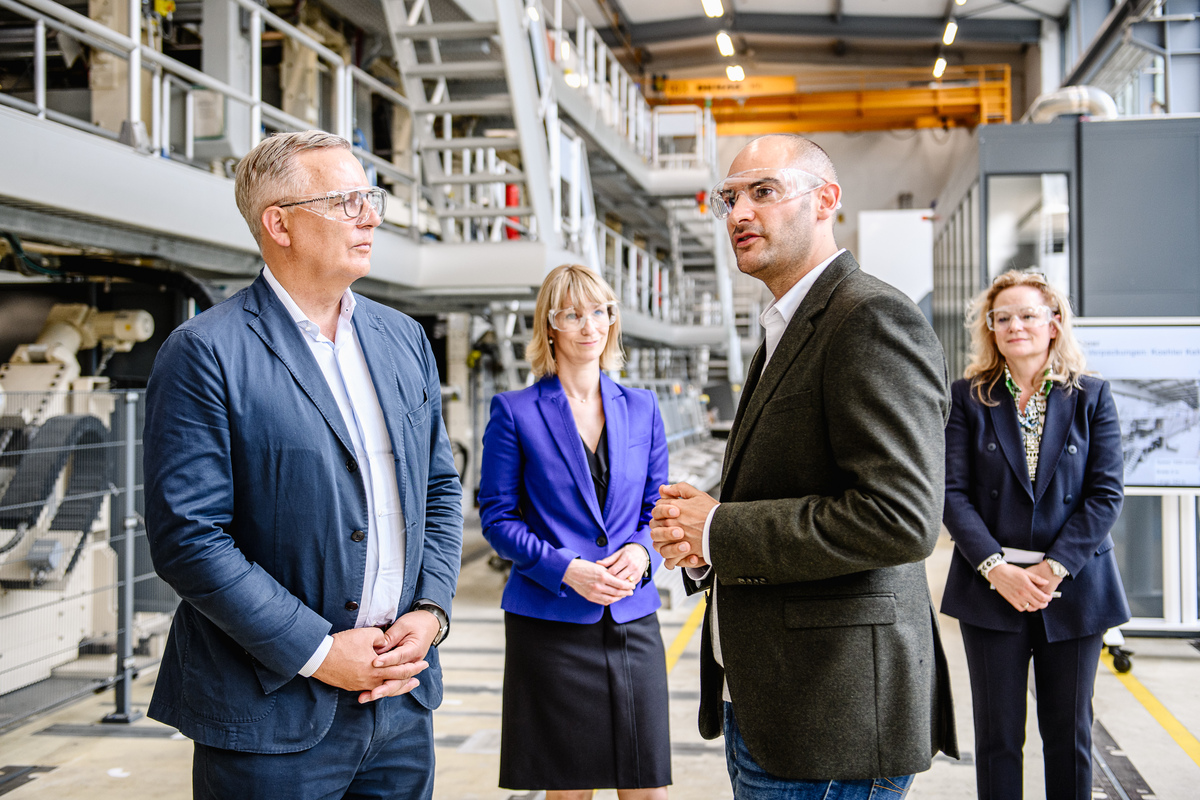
<point x="443" y="621"/>
<point x="1058" y="569"/>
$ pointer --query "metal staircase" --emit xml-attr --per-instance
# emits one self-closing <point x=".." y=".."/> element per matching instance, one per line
<point x="481" y="123"/>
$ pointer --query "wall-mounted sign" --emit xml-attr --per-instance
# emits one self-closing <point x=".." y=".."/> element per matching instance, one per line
<point x="1154" y="370"/>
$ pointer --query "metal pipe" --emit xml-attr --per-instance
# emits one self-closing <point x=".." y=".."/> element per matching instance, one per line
<point x="39" y="67"/>
<point x="125" y="663"/>
<point x="379" y="87"/>
<point x="256" y="75"/>
<point x="156" y="83"/>
<point x="189" y="124"/>
<point x="283" y="26"/>
<point x="55" y="25"/>
<point x="135" y="64"/>
<point x="1089" y="100"/>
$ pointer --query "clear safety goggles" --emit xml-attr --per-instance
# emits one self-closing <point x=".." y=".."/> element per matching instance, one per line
<point x="762" y="187"/>
<point x="573" y="319"/>
<point x="1030" y="317"/>
<point x="351" y="206"/>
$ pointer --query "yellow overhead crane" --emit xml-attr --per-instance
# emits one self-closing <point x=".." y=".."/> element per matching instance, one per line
<point x="847" y="100"/>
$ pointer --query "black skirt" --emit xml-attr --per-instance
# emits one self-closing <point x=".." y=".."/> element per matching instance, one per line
<point x="585" y="706"/>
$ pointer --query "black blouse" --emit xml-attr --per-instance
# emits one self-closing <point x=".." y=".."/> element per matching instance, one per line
<point x="598" y="465"/>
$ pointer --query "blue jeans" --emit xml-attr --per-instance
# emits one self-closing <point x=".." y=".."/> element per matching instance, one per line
<point x="373" y="751"/>
<point x="752" y="782"/>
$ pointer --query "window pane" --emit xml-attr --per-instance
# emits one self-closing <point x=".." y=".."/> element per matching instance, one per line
<point x="1027" y="226"/>
<point x="1138" y="538"/>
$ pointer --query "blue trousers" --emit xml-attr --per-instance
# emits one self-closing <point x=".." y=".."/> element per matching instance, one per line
<point x="752" y="782"/>
<point x="1065" y="675"/>
<point x="374" y="750"/>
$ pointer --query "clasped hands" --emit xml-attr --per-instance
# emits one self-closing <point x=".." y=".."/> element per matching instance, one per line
<point x="380" y="664"/>
<point x="608" y="580"/>
<point x="677" y="525"/>
<point x="1025" y="588"/>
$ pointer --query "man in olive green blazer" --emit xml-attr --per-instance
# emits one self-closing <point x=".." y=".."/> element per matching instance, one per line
<point x="826" y="647"/>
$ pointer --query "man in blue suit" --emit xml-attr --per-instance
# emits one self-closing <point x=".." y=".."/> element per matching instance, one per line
<point x="301" y="498"/>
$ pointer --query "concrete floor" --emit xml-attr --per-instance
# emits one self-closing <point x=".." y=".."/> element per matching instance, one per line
<point x="149" y="760"/>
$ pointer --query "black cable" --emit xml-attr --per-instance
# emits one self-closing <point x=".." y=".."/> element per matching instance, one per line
<point x="23" y="259"/>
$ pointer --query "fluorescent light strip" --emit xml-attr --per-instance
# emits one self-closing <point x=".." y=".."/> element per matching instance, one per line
<point x="724" y="44"/>
<point x="951" y="31"/>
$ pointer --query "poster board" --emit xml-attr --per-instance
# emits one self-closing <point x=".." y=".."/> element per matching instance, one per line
<point x="1153" y="367"/>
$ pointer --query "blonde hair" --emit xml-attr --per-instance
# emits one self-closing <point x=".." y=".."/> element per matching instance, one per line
<point x="1066" y="362"/>
<point x="581" y="285"/>
<point x="269" y="173"/>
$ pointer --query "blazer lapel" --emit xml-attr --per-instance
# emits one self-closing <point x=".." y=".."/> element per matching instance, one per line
<point x="552" y="404"/>
<point x="282" y="337"/>
<point x="736" y="430"/>
<point x="1060" y="410"/>
<point x="616" y="425"/>
<point x="799" y="330"/>
<point x="1008" y="431"/>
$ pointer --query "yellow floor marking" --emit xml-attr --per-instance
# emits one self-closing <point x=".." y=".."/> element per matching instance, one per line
<point x="685" y="635"/>
<point x="1180" y="734"/>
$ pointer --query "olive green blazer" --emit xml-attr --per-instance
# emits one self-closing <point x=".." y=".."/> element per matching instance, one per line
<point x="831" y="500"/>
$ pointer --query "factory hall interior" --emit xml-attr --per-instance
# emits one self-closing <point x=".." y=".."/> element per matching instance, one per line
<point x="995" y="240"/>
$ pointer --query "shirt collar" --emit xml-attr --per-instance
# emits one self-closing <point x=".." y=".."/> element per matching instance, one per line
<point x="786" y="306"/>
<point x="308" y="326"/>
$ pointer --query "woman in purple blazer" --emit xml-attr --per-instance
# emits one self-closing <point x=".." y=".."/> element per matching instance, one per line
<point x="1033" y="487"/>
<point x="570" y="472"/>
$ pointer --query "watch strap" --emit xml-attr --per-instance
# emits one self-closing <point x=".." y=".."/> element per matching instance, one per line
<point x="443" y="619"/>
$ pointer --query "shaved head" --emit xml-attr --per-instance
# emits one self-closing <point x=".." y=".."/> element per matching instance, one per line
<point x="807" y="155"/>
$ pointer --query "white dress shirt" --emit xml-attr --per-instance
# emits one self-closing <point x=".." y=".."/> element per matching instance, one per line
<point x="774" y="318"/>
<point x="344" y="366"/>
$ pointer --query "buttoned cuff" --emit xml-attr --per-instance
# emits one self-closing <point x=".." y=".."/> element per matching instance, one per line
<point x="318" y="658"/>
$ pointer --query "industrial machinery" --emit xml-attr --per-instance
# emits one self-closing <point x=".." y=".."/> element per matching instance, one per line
<point x="57" y="570"/>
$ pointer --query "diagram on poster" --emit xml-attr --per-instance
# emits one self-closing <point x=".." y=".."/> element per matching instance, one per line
<point x="1154" y="371"/>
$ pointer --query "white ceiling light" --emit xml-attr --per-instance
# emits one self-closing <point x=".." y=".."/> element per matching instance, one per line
<point x="713" y="8"/>
<point x="724" y="44"/>
<point x="735" y="73"/>
<point x="960" y="2"/>
<point x="939" y="67"/>
<point x="951" y="31"/>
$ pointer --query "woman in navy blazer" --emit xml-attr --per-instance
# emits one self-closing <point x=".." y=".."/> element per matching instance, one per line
<point x="1033" y="487"/>
<point x="570" y="472"/>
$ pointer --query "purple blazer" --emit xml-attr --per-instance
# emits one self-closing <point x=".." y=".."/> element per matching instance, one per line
<point x="538" y="505"/>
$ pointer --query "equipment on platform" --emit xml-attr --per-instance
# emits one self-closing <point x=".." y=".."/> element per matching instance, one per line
<point x="57" y="570"/>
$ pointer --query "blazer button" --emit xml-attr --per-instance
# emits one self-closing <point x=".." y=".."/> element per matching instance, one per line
<point x="357" y="536"/>
<point x="995" y="493"/>
<point x="1072" y="449"/>
<point x="991" y="446"/>
<point x="351" y="465"/>
<point x="352" y="606"/>
<point x="601" y="540"/>
<point x="1067" y="500"/>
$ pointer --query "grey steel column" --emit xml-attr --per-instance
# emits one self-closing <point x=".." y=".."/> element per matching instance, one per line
<point x="125" y="664"/>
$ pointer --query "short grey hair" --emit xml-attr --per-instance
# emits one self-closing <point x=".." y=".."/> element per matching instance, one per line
<point x="269" y="173"/>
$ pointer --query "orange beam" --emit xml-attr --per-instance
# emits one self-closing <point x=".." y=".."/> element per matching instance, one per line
<point x="965" y="97"/>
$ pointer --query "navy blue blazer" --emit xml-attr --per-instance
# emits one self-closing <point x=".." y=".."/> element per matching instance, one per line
<point x="252" y="496"/>
<point x="990" y="503"/>
<point x="538" y="504"/>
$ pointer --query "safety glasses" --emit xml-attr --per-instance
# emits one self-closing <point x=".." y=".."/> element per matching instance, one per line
<point x="762" y="187"/>
<point x="351" y="206"/>
<point x="1030" y="317"/>
<point x="573" y="319"/>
